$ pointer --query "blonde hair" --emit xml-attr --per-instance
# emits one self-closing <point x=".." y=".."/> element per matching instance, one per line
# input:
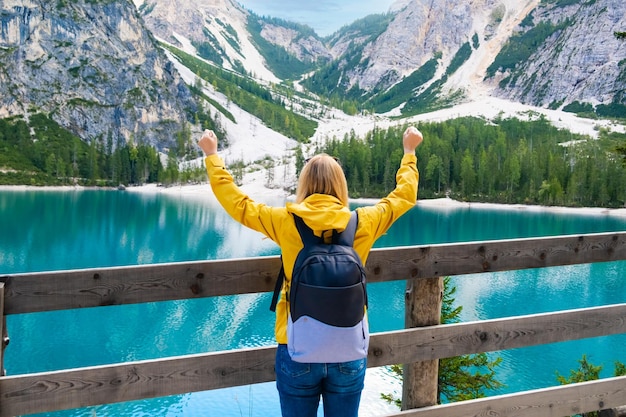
<point x="322" y="174"/>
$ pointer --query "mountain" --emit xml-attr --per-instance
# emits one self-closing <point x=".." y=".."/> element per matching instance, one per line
<point x="93" y="67"/>
<point x="114" y="70"/>
<point x="422" y="54"/>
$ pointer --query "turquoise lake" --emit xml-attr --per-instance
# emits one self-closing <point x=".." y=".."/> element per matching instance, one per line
<point x="60" y="230"/>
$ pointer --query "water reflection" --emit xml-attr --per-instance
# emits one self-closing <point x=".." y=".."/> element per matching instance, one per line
<point x="86" y="229"/>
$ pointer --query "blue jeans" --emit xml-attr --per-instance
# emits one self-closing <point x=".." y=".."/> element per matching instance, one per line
<point x="300" y="386"/>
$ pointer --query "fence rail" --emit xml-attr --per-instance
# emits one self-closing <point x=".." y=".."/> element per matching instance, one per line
<point x="59" y="290"/>
<point x="49" y="391"/>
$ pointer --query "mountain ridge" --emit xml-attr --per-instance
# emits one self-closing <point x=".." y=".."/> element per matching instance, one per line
<point x="368" y="57"/>
<point x="96" y="66"/>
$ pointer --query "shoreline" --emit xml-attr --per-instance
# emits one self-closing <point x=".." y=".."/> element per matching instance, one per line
<point x="274" y="195"/>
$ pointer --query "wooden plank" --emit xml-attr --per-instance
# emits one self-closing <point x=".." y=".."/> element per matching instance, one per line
<point x="444" y="341"/>
<point x="492" y="256"/>
<point x="61" y="390"/>
<point x="559" y="401"/>
<point x="50" y="391"/>
<point x="59" y="290"/>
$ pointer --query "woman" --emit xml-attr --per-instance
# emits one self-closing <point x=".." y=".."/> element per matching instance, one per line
<point x="322" y="202"/>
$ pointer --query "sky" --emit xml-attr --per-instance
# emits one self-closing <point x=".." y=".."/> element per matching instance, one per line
<point x="325" y="16"/>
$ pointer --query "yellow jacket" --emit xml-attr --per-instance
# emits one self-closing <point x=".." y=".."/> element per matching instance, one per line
<point x="320" y="212"/>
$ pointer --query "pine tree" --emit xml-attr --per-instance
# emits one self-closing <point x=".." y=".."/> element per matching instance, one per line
<point x="587" y="371"/>
<point x="468" y="174"/>
<point x="299" y="160"/>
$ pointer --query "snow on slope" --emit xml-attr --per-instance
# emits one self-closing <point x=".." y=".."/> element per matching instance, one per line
<point x="469" y="78"/>
<point x="250" y="140"/>
<point x="226" y="20"/>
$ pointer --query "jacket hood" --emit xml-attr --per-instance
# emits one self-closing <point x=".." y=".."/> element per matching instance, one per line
<point x="321" y="212"/>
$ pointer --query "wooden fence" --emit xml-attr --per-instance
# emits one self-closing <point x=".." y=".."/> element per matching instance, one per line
<point x="82" y="387"/>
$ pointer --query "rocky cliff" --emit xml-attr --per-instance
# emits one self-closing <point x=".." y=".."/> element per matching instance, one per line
<point x="545" y="53"/>
<point x="217" y="26"/>
<point x="579" y="57"/>
<point x="93" y="67"/>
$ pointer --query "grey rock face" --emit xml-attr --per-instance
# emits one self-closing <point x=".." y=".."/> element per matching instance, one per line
<point x="581" y="61"/>
<point x="93" y="67"/>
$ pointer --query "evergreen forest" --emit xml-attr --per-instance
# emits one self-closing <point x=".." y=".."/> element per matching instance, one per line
<point x="505" y="161"/>
<point x="39" y="152"/>
<point x="469" y="159"/>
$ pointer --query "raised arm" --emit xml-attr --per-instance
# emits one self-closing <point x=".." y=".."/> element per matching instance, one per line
<point x="238" y="205"/>
<point x="382" y="215"/>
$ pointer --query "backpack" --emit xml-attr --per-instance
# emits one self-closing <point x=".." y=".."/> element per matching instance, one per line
<point x="327" y="299"/>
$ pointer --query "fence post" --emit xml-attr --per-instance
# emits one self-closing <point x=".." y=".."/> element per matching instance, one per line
<point x="3" y="330"/>
<point x="423" y="300"/>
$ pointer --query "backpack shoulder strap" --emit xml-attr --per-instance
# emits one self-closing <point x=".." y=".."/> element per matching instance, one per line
<point x="279" y="284"/>
<point x="308" y="238"/>
<point x="346" y="238"/>
<point x="306" y="233"/>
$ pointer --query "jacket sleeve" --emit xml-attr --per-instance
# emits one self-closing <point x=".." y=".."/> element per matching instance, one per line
<point x="237" y="204"/>
<point x="377" y="219"/>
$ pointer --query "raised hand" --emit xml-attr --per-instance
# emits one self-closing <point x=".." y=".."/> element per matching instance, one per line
<point x="208" y="142"/>
<point x="411" y="139"/>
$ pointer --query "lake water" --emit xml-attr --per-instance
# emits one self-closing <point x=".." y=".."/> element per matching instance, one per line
<point x="59" y="230"/>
